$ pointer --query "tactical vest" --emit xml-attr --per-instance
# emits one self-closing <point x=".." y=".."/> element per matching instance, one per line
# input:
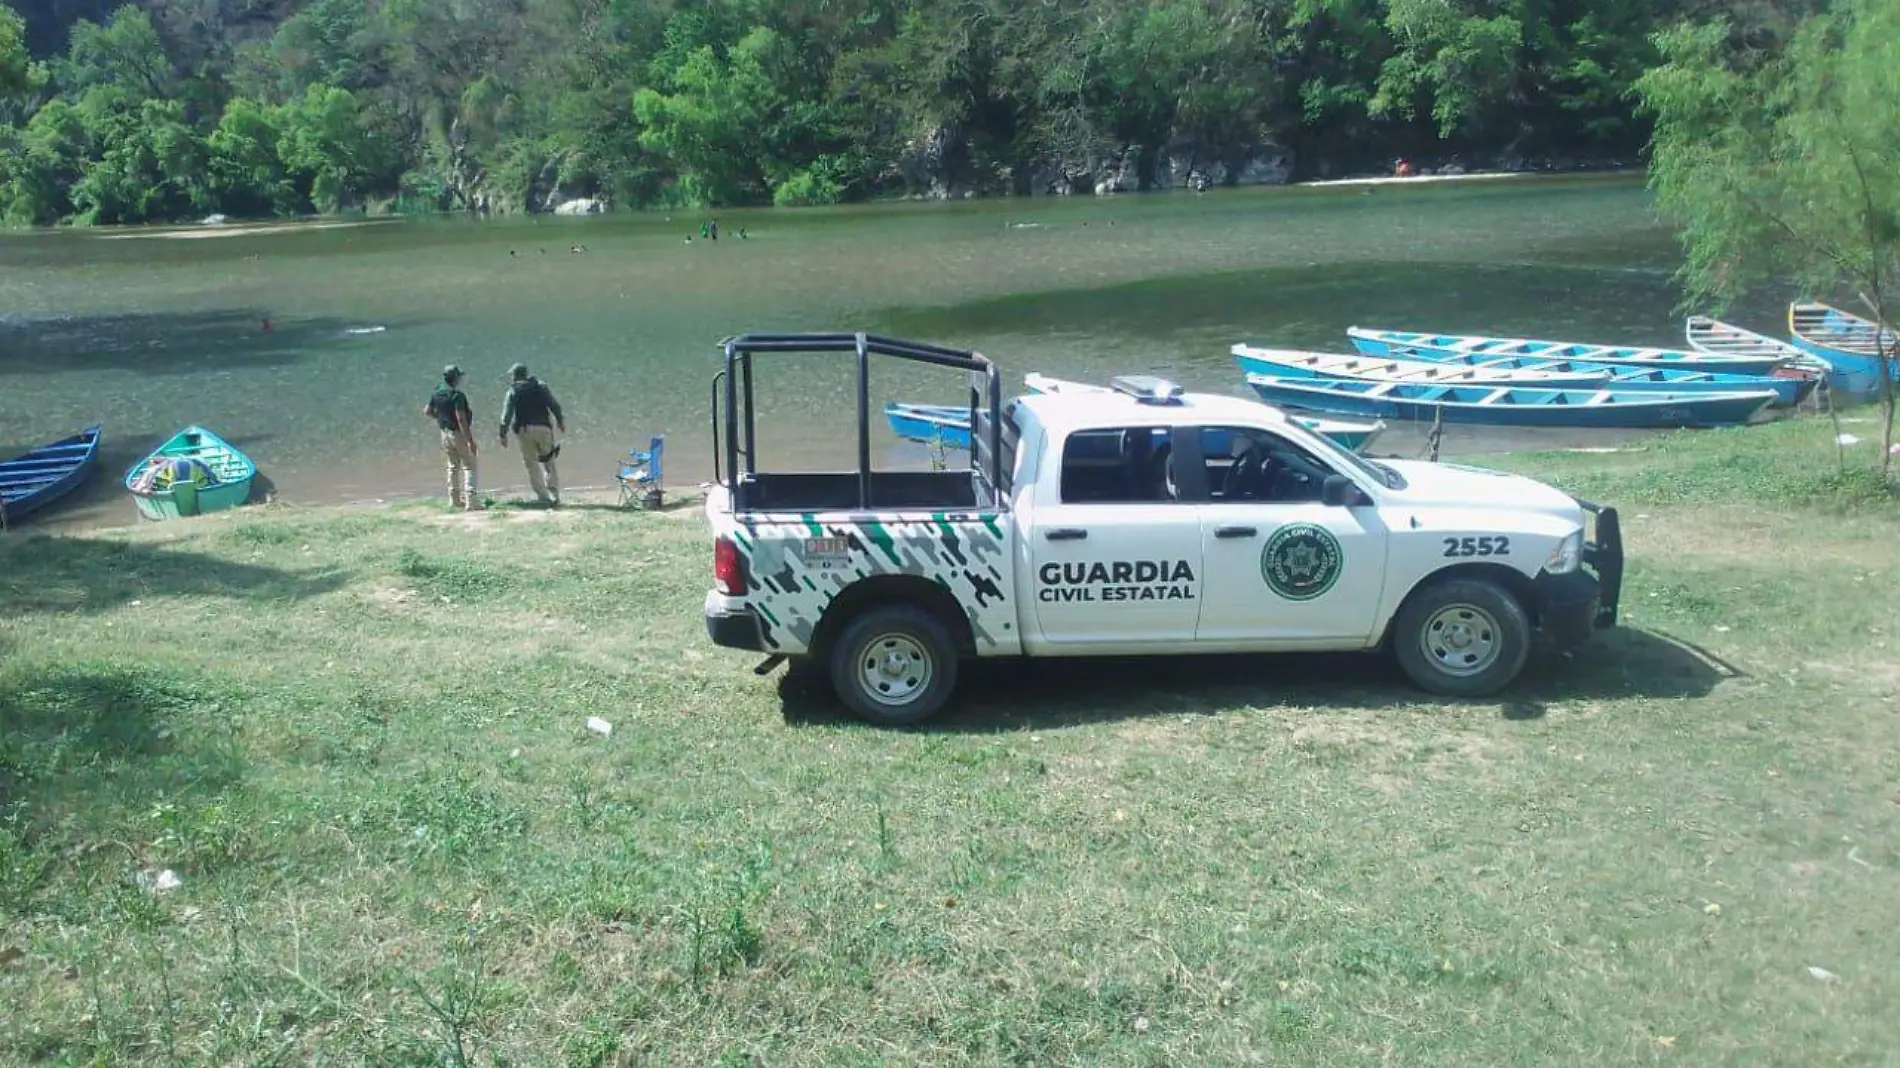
<point x="531" y="404"/>
<point x="442" y="405"/>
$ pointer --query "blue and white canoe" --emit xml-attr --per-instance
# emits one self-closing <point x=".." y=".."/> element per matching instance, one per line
<point x="38" y="477"/>
<point x="1850" y="344"/>
<point x="1406" y="367"/>
<point x="1353" y="437"/>
<point x="1512" y="406"/>
<point x="1434" y="346"/>
<point x="1789" y="389"/>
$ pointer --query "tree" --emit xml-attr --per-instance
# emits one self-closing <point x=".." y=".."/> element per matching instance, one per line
<point x="1786" y="167"/>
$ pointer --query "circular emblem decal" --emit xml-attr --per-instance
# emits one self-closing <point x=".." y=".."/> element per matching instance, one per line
<point x="1301" y="561"/>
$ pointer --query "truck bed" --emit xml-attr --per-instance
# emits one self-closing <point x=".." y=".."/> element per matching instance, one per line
<point x="828" y="491"/>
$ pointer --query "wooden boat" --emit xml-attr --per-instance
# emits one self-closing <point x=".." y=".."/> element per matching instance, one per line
<point x="1290" y="363"/>
<point x="195" y="472"/>
<point x="38" y="477"/>
<point x="1351" y="436"/>
<point x="1846" y="341"/>
<point x="1789" y="390"/>
<point x="1726" y="339"/>
<point x="932" y="424"/>
<point x="1512" y="406"/>
<point x="1433" y="346"/>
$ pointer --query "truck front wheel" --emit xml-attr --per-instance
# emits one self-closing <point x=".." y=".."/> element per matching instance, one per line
<point x="894" y="666"/>
<point x="1462" y="638"/>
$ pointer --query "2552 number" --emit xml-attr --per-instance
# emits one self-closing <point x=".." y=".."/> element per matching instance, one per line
<point x="1494" y="546"/>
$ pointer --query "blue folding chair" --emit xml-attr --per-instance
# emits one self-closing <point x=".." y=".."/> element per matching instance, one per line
<point x="640" y="475"/>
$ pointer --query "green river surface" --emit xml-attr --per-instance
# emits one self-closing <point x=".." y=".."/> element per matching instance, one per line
<point x="150" y="329"/>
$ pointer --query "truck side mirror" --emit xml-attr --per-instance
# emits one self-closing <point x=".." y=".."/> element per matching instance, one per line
<point x="1338" y="491"/>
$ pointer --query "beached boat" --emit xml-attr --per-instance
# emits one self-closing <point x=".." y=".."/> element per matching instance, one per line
<point x="1706" y="334"/>
<point x="1352" y="436"/>
<point x="1846" y="341"/>
<point x="1790" y="389"/>
<point x="38" y="477"/>
<point x="932" y="424"/>
<point x="193" y="473"/>
<point x="1511" y="406"/>
<point x="1432" y="346"/>
<point x="1293" y="363"/>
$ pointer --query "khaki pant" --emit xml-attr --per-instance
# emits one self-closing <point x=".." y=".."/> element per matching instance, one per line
<point x="459" y="459"/>
<point x="537" y="441"/>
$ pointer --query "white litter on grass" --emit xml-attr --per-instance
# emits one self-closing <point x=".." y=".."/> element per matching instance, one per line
<point x="160" y="882"/>
<point x="599" y="726"/>
<point x="1821" y="973"/>
<point x="1847" y="439"/>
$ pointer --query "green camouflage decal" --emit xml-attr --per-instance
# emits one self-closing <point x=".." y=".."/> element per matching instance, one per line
<point x="795" y="569"/>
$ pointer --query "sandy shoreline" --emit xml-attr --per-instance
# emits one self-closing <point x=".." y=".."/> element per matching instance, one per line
<point x="198" y="231"/>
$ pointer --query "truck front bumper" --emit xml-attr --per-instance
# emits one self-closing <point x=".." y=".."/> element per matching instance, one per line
<point x="729" y="623"/>
<point x="1574" y="606"/>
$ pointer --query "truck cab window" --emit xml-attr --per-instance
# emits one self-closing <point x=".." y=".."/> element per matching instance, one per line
<point x="1118" y="465"/>
<point x="1246" y="464"/>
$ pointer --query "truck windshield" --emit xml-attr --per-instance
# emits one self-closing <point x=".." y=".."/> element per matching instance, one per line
<point x="1386" y="477"/>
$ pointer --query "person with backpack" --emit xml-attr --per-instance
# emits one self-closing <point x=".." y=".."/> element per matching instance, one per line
<point x="527" y="410"/>
<point x="449" y="407"/>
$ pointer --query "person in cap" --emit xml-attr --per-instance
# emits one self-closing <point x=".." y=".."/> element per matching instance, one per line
<point x="449" y="407"/>
<point x="527" y="411"/>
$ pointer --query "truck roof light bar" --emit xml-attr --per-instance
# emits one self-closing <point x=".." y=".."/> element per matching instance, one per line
<point x="1148" y="389"/>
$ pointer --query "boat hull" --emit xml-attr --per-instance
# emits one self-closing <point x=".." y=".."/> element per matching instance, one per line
<point x="39" y="477"/>
<point x="1396" y="342"/>
<point x="1514" y="407"/>
<point x="1846" y="341"/>
<point x="1788" y="391"/>
<point x="1409" y="367"/>
<point x="234" y="474"/>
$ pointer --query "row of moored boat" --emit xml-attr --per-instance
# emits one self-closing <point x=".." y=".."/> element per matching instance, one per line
<point x="1726" y="376"/>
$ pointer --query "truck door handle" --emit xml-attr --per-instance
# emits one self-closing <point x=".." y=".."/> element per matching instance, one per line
<point x="1235" y="532"/>
<point x="1066" y="534"/>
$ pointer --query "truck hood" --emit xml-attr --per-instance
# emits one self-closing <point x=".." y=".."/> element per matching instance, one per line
<point x="1455" y="484"/>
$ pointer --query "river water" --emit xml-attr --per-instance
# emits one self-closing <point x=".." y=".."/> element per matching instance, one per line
<point x="147" y="330"/>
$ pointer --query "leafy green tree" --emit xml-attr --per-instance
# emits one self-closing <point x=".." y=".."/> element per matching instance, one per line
<point x="1786" y="168"/>
<point x="147" y="163"/>
<point x="43" y="163"/>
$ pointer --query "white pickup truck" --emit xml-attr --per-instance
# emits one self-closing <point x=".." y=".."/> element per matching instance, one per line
<point x="1140" y="520"/>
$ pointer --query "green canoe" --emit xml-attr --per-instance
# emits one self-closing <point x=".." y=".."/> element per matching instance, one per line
<point x="194" y="473"/>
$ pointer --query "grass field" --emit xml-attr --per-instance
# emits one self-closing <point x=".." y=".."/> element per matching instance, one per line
<point x="356" y="739"/>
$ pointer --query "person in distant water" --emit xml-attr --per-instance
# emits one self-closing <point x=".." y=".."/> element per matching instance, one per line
<point x="1405" y="169"/>
<point x="448" y="406"/>
<point x="715" y="229"/>
<point x="527" y="411"/>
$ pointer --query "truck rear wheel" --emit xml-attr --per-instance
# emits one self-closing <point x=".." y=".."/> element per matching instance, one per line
<point x="1462" y="638"/>
<point x="894" y="666"/>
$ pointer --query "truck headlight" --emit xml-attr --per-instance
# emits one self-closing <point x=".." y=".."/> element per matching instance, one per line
<point x="1566" y="556"/>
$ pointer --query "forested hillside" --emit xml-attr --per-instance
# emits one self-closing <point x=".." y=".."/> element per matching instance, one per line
<point x="178" y="108"/>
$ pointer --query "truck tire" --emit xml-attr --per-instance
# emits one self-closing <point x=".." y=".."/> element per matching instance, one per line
<point x="894" y="666"/>
<point x="1462" y="637"/>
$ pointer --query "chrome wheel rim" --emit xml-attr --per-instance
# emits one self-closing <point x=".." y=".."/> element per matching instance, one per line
<point x="894" y="669"/>
<point x="1461" y="640"/>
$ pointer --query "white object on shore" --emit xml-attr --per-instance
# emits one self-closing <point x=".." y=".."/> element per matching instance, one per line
<point x="1847" y="439"/>
<point x="1820" y="973"/>
<point x="599" y="726"/>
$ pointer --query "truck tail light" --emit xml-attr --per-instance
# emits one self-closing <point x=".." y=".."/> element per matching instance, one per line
<point x="728" y="568"/>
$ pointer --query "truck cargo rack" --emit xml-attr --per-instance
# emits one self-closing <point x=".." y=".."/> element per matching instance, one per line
<point x="739" y="440"/>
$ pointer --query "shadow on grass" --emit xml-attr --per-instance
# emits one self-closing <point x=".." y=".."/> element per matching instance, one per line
<point x="53" y="573"/>
<point x="87" y="751"/>
<point x="172" y="343"/>
<point x="1042" y="694"/>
